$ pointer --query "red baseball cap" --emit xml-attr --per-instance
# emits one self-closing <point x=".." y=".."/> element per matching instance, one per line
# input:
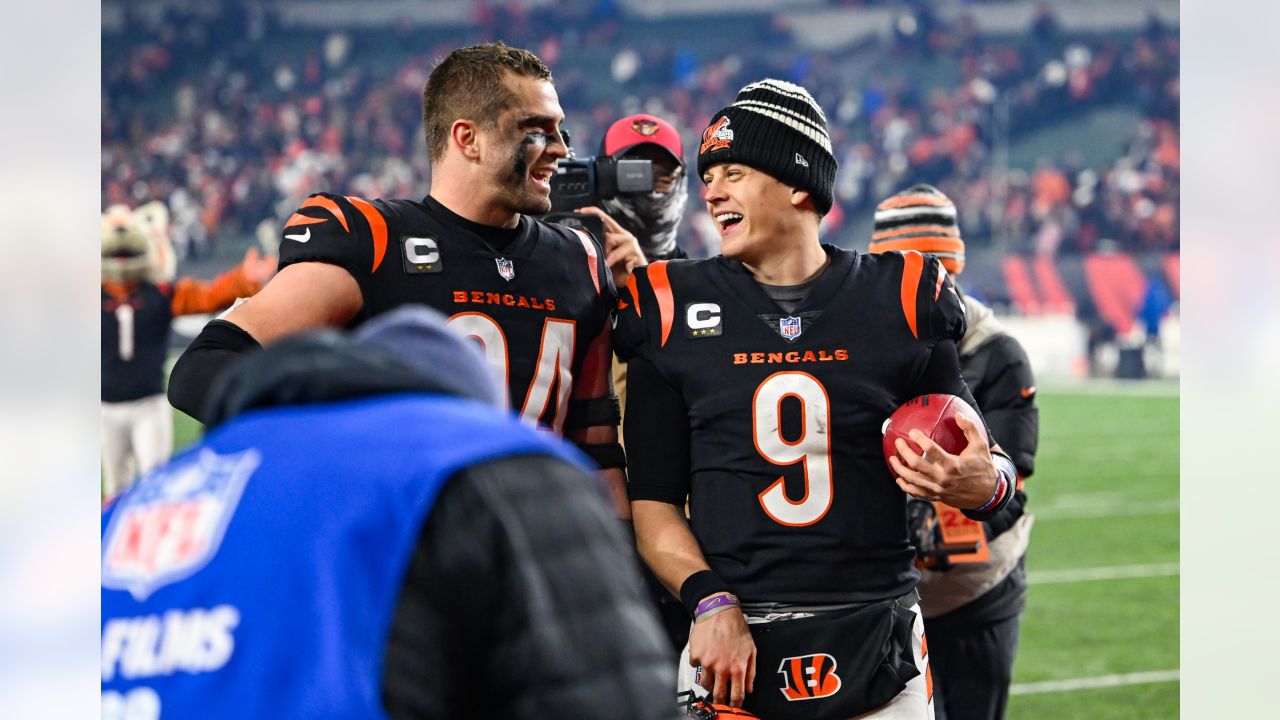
<point x="639" y="129"/>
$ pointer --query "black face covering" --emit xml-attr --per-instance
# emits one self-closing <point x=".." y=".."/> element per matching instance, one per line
<point x="652" y="217"/>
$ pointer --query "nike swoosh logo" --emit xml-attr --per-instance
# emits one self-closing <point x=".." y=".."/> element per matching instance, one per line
<point x="1028" y="391"/>
<point x="301" y="238"/>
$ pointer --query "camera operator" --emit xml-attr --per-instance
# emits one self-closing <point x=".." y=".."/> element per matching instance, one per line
<point x="641" y="228"/>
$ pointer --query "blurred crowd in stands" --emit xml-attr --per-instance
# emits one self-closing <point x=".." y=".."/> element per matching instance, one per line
<point x="232" y="119"/>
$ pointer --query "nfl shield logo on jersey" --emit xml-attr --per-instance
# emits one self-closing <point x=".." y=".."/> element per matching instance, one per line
<point x="789" y="327"/>
<point x="506" y="269"/>
<point x="173" y="521"/>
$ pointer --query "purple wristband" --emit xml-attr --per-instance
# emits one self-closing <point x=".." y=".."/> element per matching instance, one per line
<point x="713" y="602"/>
<point x="1001" y="484"/>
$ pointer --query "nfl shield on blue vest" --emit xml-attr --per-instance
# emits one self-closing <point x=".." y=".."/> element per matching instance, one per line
<point x="172" y="522"/>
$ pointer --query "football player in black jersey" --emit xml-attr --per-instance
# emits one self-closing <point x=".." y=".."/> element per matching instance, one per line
<point x="972" y="603"/>
<point x="537" y="297"/>
<point x="140" y="297"/>
<point x="759" y="384"/>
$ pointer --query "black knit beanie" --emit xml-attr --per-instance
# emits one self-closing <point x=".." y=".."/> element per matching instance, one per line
<point x="777" y="127"/>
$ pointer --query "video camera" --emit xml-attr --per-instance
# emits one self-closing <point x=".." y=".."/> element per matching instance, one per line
<point x="583" y="182"/>
<point x="580" y="182"/>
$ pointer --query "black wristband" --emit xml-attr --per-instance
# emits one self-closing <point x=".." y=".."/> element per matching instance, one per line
<point x="595" y="411"/>
<point x="699" y="585"/>
<point x="605" y="455"/>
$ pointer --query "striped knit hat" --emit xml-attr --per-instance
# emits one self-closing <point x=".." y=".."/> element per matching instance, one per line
<point x="776" y="127"/>
<point x="920" y="218"/>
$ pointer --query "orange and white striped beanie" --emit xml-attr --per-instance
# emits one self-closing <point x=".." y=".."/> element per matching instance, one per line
<point x="920" y="218"/>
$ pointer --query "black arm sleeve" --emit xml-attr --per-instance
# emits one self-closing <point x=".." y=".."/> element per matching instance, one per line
<point x="523" y="601"/>
<point x="942" y="375"/>
<point x="217" y="345"/>
<point x="657" y="436"/>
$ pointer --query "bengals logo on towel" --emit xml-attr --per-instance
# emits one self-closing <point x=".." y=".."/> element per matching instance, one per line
<point x="809" y="677"/>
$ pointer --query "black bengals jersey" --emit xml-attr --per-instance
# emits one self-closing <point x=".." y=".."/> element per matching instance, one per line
<point x="535" y="298"/>
<point x="790" y="497"/>
<point x="135" y="337"/>
<point x="135" y="327"/>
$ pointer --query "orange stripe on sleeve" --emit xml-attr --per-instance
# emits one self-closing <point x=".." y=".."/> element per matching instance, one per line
<point x="635" y="295"/>
<point x="327" y="204"/>
<point x="377" y="224"/>
<point x="300" y="219"/>
<point x="913" y="264"/>
<point x="590" y="246"/>
<point x="662" y="289"/>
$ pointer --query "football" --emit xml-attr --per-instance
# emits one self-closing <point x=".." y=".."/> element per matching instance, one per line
<point x="935" y="416"/>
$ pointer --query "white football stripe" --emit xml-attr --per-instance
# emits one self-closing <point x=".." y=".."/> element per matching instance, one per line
<point x="1114" y="572"/>
<point x="1093" y="683"/>
<point x="1105" y="510"/>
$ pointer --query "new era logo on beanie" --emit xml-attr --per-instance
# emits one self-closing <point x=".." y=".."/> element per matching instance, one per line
<point x="920" y="218"/>
<point x="777" y="127"/>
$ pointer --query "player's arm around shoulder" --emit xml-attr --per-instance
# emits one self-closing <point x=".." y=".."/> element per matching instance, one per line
<point x="300" y="297"/>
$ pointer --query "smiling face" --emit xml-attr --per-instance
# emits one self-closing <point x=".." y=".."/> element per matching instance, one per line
<point x="754" y="212"/>
<point x="522" y="146"/>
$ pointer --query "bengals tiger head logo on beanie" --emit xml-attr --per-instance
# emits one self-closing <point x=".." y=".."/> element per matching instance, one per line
<point x="923" y="219"/>
<point x="776" y="127"/>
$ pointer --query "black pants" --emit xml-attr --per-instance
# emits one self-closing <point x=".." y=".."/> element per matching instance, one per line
<point x="972" y="667"/>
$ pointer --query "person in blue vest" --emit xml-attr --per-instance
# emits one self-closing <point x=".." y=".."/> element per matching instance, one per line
<point x="364" y="533"/>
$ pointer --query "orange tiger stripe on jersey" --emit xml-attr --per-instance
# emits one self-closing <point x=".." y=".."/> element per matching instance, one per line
<point x="942" y="275"/>
<point x="901" y="200"/>
<point x="590" y="246"/>
<point x="913" y="265"/>
<point x="300" y="219"/>
<point x="635" y="296"/>
<point x="320" y="202"/>
<point x="928" y="669"/>
<point x="376" y="224"/>
<point x="662" y="289"/>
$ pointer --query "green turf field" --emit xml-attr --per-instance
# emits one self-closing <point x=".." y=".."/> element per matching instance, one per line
<point x="1100" y="634"/>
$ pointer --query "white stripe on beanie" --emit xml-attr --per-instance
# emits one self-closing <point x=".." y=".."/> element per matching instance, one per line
<point x="790" y="118"/>
<point x="921" y="210"/>
<point x="785" y="88"/>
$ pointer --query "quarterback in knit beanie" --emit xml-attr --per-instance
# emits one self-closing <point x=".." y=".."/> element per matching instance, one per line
<point x="775" y="127"/>
<point x="923" y="219"/>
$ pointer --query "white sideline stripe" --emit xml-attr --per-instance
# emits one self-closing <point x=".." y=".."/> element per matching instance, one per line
<point x="1093" y="683"/>
<point x="1114" y="388"/>
<point x="1104" y="510"/>
<point x="1114" y="572"/>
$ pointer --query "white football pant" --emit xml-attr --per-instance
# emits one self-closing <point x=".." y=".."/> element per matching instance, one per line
<point x="136" y="436"/>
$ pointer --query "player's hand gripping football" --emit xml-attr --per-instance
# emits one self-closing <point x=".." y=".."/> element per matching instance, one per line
<point x="622" y="251"/>
<point x="723" y="647"/>
<point x="962" y="481"/>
